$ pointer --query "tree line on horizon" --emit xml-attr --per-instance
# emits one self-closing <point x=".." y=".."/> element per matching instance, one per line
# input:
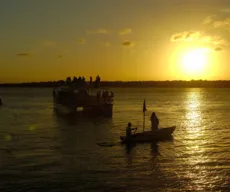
<point x="166" y="83"/>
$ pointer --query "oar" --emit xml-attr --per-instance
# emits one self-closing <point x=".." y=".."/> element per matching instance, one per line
<point x="108" y="144"/>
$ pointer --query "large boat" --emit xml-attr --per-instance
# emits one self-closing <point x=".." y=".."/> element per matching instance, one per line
<point x="148" y="136"/>
<point x="68" y="99"/>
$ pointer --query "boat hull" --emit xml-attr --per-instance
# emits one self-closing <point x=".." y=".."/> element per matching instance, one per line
<point x="148" y="136"/>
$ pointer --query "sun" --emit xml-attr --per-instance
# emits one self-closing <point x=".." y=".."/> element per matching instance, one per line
<point x="195" y="61"/>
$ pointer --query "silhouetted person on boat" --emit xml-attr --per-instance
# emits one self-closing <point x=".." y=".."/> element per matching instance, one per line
<point x="79" y="81"/>
<point x="61" y="82"/>
<point x="98" y="79"/>
<point x="91" y="84"/>
<point x="74" y="82"/>
<point x="74" y="79"/>
<point x="154" y="121"/>
<point x="83" y="81"/>
<point x="68" y="80"/>
<point x="129" y="131"/>
<point x="97" y="82"/>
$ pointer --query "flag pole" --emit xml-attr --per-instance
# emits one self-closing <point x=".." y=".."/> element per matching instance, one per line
<point x="144" y="109"/>
<point x="144" y="121"/>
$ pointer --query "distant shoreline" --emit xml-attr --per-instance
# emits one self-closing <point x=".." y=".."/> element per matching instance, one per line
<point x="137" y="84"/>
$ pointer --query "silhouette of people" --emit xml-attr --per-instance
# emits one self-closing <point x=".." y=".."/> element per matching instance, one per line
<point x="74" y="79"/>
<point x="61" y="82"/>
<point x="68" y="80"/>
<point x="98" y="78"/>
<point x="154" y="121"/>
<point x="80" y="82"/>
<point x="0" y="101"/>
<point x="97" y="82"/>
<point x="74" y="82"/>
<point x="90" y="84"/>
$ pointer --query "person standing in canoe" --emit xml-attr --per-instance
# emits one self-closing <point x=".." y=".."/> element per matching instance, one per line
<point x="129" y="131"/>
<point x="154" y="121"/>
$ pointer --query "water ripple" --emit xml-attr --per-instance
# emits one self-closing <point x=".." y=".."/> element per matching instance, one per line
<point x="40" y="151"/>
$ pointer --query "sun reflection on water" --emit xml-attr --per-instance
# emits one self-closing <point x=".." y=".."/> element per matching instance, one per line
<point x="193" y="115"/>
<point x="195" y="170"/>
<point x="196" y="166"/>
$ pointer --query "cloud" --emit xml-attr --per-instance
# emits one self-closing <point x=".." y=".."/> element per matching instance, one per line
<point x="22" y="54"/>
<point x="201" y="37"/>
<point x="209" y="19"/>
<point x="217" y="22"/>
<point x="216" y="34"/>
<point x="81" y="41"/>
<point x="128" y="44"/>
<point x="49" y="43"/>
<point x="97" y="31"/>
<point x="125" y="31"/>
<point x="224" y="24"/>
<point x="186" y="36"/>
<point x="218" y="49"/>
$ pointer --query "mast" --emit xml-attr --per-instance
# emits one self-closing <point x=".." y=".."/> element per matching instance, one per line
<point x="144" y="109"/>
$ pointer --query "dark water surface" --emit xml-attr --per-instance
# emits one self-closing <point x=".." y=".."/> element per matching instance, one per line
<point x="40" y="151"/>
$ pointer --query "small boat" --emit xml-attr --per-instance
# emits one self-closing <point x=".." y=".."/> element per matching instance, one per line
<point x="146" y="136"/>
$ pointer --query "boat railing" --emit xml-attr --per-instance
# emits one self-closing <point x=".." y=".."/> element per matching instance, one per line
<point x="83" y="97"/>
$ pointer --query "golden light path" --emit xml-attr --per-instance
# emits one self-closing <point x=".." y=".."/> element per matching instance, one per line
<point x="198" y="158"/>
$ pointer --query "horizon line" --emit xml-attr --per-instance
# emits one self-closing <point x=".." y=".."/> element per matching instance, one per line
<point x="120" y="81"/>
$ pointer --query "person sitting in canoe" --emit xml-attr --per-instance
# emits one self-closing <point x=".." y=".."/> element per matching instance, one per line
<point x="154" y="121"/>
<point x="129" y="131"/>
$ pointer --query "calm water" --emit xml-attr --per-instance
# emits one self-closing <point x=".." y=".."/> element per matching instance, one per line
<point x="40" y="151"/>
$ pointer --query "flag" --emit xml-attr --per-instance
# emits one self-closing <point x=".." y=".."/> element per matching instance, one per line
<point x="144" y="107"/>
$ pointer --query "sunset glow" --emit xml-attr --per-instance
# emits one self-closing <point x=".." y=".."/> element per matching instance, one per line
<point x="194" y="61"/>
<point x="127" y="41"/>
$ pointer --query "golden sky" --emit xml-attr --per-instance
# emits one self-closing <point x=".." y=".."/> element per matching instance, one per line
<point x="119" y="40"/>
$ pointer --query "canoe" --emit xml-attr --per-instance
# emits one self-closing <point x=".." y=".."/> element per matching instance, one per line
<point x="146" y="136"/>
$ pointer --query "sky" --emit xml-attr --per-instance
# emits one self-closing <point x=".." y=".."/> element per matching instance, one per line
<point x="125" y="40"/>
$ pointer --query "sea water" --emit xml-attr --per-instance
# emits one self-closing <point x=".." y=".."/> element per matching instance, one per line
<point x="41" y="151"/>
